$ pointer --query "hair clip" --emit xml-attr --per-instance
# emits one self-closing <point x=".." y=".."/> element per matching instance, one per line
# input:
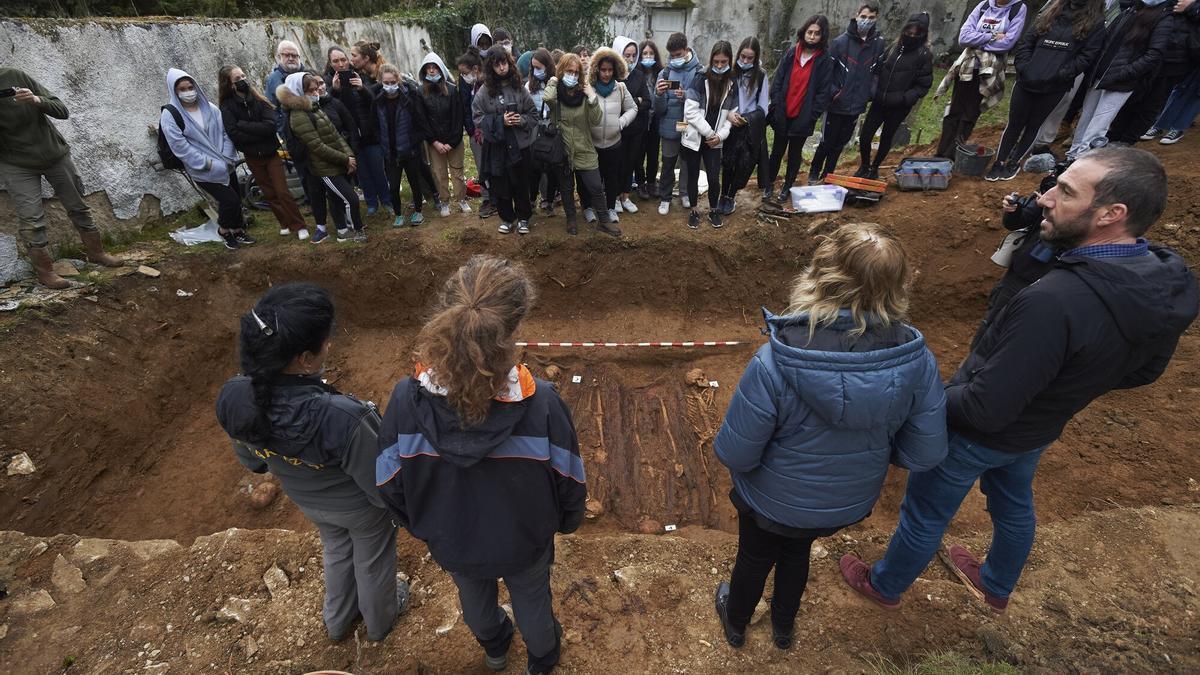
<point x="262" y="326"/>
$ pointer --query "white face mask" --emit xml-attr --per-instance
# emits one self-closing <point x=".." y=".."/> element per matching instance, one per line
<point x="313" y="98"/>
<point x="390" y="89"/>
<point x="189" y="97"/>
<point x="468" y="78"/>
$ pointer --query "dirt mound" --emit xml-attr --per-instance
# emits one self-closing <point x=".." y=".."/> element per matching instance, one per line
<point x="112" y="401"/>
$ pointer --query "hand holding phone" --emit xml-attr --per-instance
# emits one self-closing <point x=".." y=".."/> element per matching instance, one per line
<point x="8" y="92"/>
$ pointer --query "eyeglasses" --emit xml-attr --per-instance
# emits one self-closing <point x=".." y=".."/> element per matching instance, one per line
<point x="290" y="56"/>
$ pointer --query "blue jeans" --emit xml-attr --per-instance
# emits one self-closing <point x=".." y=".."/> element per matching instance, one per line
<point x="1183" y="105"/>
<point x="933" y="497"/>
<point x="372" y="176"/>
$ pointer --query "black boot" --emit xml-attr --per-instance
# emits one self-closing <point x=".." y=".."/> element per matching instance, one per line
<point x="736" y="638"/>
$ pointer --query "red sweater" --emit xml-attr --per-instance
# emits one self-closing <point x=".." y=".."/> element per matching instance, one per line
<point x="798" y="84"/>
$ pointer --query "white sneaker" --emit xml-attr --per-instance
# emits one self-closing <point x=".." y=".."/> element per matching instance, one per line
<point x="628" y="204"/>
<point x="443" y="210"/>
<point x="505" y="228"/>
<point x="687" y="203"/>
<point x="619" y="208"/>
<point x="589" y="214"/>
<point x="303" y="234"/>
<point x="664" y="208"/>
<point x="464" y="206"/>
<point x="612" y="216"/>
<point x="285" y="232"/>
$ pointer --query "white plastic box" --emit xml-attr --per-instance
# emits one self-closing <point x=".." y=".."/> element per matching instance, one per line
<point x="818" y="198"/>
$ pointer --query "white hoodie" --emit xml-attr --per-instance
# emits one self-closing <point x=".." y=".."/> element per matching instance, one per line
<point x="478" y="30"/>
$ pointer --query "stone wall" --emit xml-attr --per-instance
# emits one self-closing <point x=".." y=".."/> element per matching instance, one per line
<point x="111" y="75"/>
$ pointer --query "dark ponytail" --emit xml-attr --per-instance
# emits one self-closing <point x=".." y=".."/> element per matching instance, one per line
<point x="286" y="322"/>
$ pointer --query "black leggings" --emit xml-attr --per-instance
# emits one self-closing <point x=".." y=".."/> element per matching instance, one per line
<point x="712" y="167"/>
<point x="890" y="119"/>
<point x="393" y="167"/>
<point x="839" y="129"/>
<point x="229" y="204"/>
<point x="965" y="105"/>
<point x="343" y="201"/>
<point x="1026" y="113"/>
<point x="794" y="146"/>
<point x="589" y="183"/>
<point x="650" y="142"/>
<point x="759" y="551"/>
<point x="611" y="159"/>
<point x="510" y="192"/>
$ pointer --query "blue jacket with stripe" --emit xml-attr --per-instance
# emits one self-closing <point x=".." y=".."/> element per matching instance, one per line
<point x="489" y="499"/>
<point x="810" y="431"/>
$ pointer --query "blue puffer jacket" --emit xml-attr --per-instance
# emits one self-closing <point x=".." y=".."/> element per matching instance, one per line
<point x="668" y="108"/>
<point x="809" y="434"/>
<point x="408" y="135"/>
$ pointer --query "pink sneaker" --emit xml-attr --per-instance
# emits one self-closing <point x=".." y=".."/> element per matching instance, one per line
<point x="858" y="575"/>
<point x="966" y="568"/>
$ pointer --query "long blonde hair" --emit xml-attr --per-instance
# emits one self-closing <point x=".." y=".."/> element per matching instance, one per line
<point x="861" y="267"/>
<point x="467" y="341"/>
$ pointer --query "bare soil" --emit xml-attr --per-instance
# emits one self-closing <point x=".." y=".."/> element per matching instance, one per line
<point x="113" y="401"/>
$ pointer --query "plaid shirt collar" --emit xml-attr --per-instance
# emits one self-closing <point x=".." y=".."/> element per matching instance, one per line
<point x="1140" y="247"/>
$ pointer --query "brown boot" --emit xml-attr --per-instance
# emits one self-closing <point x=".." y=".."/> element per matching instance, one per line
<point x="95" y="250"/>
<point x="43" y="264"/>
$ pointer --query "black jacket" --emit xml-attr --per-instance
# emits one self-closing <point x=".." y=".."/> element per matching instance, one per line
<point x="1047" y="63"/>
<point x="250" y="124"/>
<point x="358" y="102"/>
<point x="638" y="88"/>
<point x="1183" y="47"/>
<point x="488" y="500"/>
<point x="1088" y="326"/>
<point x="343" y="120"/>
<point x="443" y="115"/>
<point x="855" y="57"/>
<point x="905" y="75"/>
<point x="323" y="443"/>
<point x="1124" y="66"/>
<point x="816" y="99"/>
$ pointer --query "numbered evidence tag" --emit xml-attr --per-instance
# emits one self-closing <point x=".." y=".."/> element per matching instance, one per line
<point x="577" y="379"/>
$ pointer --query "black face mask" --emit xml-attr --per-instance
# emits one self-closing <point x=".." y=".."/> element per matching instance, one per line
<point x="911" y="41"/>
<point x="242" y="86"/>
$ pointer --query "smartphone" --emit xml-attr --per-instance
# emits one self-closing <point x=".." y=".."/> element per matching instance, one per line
<point x="510" y="108"/>
<point x="7" y="92"/>
<point x="672" y="84"/>
<point x="346" y="75"/>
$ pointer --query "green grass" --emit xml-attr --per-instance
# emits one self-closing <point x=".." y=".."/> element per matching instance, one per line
<point x="939" y="663"/>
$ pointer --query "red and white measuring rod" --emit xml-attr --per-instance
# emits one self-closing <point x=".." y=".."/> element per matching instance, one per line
<point x="709" y="343"/>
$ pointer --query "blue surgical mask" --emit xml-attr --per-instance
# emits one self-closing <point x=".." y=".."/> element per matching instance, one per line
<point x="539" y="73"/>
<point x="434" y="78"/>
<point x="648" y="63"/>
<point x="570" y="80"/>
<point x="390" y="89"/>
<point x="677" y="63"/>
<point x="745" y="66"/>
<point x="720" y="71"/>
<point x="865" y="25"/>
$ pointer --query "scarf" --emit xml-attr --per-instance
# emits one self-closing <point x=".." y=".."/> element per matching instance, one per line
<point x="605" y="89"/>
<point x="571" y="98"/>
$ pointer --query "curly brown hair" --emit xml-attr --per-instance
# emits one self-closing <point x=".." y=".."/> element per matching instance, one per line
<point x="467" y="342"/>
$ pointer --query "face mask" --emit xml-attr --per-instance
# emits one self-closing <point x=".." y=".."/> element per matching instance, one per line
<point x="539" y="73"/>
<point x="677" y="63"/>
<point x="631" y="62"/>
<point x="435" y="78"/>
<point x="1153" y="3"/>
<point x="648" y="63"/>
<point x="242" y="86"/>
<point x="484" y="52"/>
<point x="468" y="78"/>
<point x="507" y="47"/>
<point x="313" y="98"/>
<point x="720" y="71"/>
<point x="570" y="80"/>
<point x="189" y="96"/>
<point x="865" y="26"/>
<point x="390" y="89"/>
<point x="745" y="66"/>
<point x="910" y="41"/>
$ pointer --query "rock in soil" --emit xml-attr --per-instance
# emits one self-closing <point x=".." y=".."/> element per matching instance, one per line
<point x="276" y="580"/>
<point x="66" y="577"/>
<point x="31" y="603"/>
<point x="263" y="495"/>
<point x="21" y="465"/>
<point x="650" y="526"/>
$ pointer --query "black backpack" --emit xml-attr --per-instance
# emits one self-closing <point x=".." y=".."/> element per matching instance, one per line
<point x="165" y="155"/>
<point x="549" y="149"/>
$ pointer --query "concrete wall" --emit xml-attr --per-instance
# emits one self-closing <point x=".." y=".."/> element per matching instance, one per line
<point x="110" y="74"/>
<point x="775" y="22"/>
